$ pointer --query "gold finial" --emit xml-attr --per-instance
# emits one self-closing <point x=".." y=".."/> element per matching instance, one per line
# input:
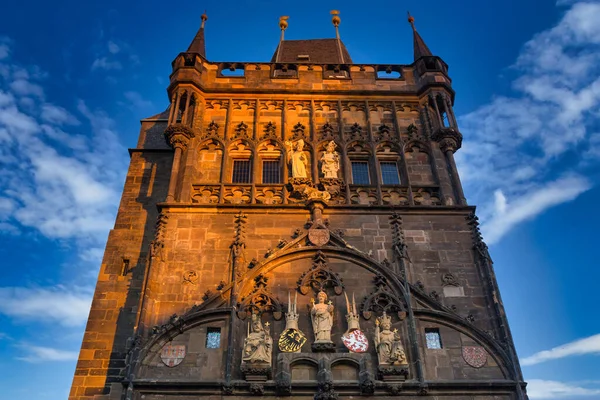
<point x="336" y="22"/>
<point x="283" y="24"/>
<point x="203" y="17"/>
<point x="411" y="20"/>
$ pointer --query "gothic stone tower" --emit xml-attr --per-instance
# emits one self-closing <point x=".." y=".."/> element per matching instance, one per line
<point x="297" y="228"/>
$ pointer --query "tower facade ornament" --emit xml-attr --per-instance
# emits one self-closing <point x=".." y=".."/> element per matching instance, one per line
<point x="292" y="338"/>
<point x="388" y="344"/>
<point x="297" y="158"/>
<point x="257" y="350"/>
<point x="330" y="161"/>
<point x="354" y="339"/>
<point x="321" y="315"/>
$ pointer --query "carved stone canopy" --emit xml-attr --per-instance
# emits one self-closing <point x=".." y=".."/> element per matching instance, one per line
<point x="260" y="300"/>
<point x="383" y="300"/>
<point x="178" y="135"/>
<point x="320" y="277"/>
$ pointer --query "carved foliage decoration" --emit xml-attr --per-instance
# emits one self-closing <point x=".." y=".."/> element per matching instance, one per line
<point x="212" y="129"/>
<point x="270" y="130"/>
<point x="241" y="130"/>
<point x="381" y="300"/>
<point x="398" y="240"/>
<point x="260" y="300"/>
<point x="320" y="276"/>
<point x="298" y="131"/>
<point x="384" y="132"/>
<point x="327" y="132"/>
<point x="158" y="244"/>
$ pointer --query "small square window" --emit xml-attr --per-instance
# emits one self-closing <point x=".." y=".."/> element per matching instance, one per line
<point x="360" y="173"/>
<point x="270" y="172"/>
<point x="241" y="171"/>
<point x="213" y="338"/>
<point x="389" y="173"/>
<point x="433" y="339"/>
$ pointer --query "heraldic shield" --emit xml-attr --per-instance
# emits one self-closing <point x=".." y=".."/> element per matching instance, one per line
<point x="476" y="357"/>
<point x="356" y="341"/>
<point x="172" y="354"/>
<point x="291" y="341"/>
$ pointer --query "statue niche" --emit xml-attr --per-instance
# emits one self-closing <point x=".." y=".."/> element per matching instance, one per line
<point x="257" y="351"/>
<point x="321" y="315"/>
<point x="390" y="352"/>
<point x="330" y="162"/>
<point x="297" y="158"/>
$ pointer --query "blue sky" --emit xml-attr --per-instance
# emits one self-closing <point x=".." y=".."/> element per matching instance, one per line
<point x="76" y="78"/>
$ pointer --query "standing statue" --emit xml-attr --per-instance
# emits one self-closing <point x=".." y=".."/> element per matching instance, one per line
<point x="330" y="161"/>
<point x="322" y="318"/>
<point x="258" y="344"/>
<point x="388" y="343"/>
<point x="296" y="156"/>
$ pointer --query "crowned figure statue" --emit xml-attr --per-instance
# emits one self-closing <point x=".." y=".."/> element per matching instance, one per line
<point x="388" y="344"/>
<point x="330" y="161"/>
<point x="258" y="345"/>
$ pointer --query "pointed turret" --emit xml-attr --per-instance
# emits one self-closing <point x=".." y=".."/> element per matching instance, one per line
<point x="198" y="45"/>
<point x="420" y="48"/>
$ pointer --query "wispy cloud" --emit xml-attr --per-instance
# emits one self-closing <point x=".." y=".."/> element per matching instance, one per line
<point x="113" y="48"/>
<point x="546" y="390"/>
<point x="57" y="115"/>
<point x="589" y="345"/>
<point x="38" y="354"/>
<point x="104" y="63"/>
<point x="517" y="147"/>
<point x="59" y="304"/>
<point x="136" y="102"/>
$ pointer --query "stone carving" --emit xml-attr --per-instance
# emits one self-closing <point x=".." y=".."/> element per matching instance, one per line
<point x="321" y="315"/>
<point x="448" y="279"/>
<point x="297" y="158"/>
<point x="388" y="344"/>
<point x="258" y="344"/>
<point x="190" y="277"/>
<point x="354" y="339"/>
<point x="292" y="339"/>
<point x="475" y="356"/>
<point x="172" y="354"/>
<point x="320" y="277"/>
<point x="257" y="351"/>
<point x="260" y="300"/>
<point x="319" y="236"/>
<point x="382" y="299"/>
<point x="330" y="161"/>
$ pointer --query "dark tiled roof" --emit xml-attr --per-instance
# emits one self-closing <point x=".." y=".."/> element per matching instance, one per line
<point x="197" y="45"/>
<point x="320" y="51"/>
<point x="420" y="47"/>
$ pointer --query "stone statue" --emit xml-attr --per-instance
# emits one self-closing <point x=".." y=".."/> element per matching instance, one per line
<point x="297" y="158"/>
<point x="389" y="346"/>
<point x="258" y="345"/>
<point x="330" y="161"/>
<point x="322" y="318"/>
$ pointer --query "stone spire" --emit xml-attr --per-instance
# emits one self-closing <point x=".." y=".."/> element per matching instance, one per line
<point x="419" y="45"/>
<point x="197" y="45"/>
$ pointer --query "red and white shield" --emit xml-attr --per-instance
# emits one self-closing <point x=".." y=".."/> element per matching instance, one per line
<point x="355" y="341"/>
<point x="476" y="357"/>
<point x="172" y="354"/>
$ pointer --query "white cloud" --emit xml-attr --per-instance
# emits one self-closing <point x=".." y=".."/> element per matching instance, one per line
<point x="545" y="389"/>
<point x="589" y="345"/>
<point x="38" y="354"/>
<point x="533" y="202"/>
<point x="517" y="147"/>
<point x="113" y="48"/>
<point x="4" y="51"/>
<point x="58" y="304"/>
<point x="137" y="102"/>
<point x="57" y="115"/>
<point x="106" y="64"/>
<point x="25" y="88"/>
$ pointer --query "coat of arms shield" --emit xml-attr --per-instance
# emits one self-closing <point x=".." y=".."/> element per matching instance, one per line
<point x="475" y="356"/>
<point x="318" y="236"/>
<point x="355" y="341"/>
<point x="291" y="341"/>
<point x="172" y="354"/>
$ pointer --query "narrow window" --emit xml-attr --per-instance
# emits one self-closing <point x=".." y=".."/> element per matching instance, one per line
<point x="213" y="338"/>
<point x="445" y="119"/>
<point x="360" y="173"/>
<point x="241" y="171"/>
<point x="389" y="173"/>
<point x="432" y="337"/>
<point x="125" y="267"/>
<point x="270" y="172"/>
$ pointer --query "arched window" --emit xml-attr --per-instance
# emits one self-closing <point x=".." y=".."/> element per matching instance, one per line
<point x="270" y="162"/>
<point x="388" y="158"/>
<point x="360" y="168"/>
<point x="240" y="155"/>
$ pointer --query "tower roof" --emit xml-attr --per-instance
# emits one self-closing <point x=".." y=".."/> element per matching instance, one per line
<point x="420" y="48"/>
<point x="319" y="51"/>
<point x="198" y="44"/>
